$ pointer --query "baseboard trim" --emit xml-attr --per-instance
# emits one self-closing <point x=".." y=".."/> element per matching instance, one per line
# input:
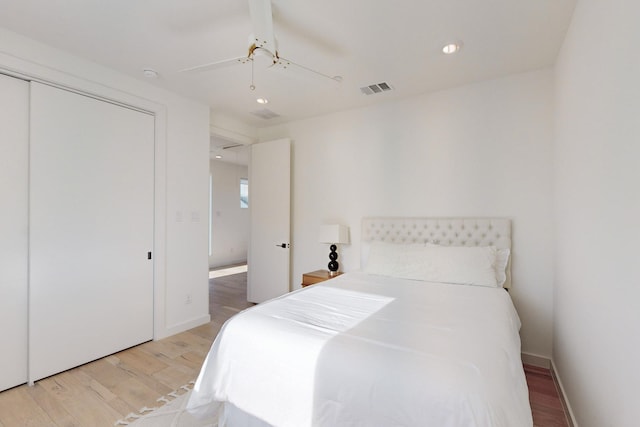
<point x="181" y="327"/>
<point x="571" y="419"/>
<point x="536" y="360"/>
<point x="227" y="263"/>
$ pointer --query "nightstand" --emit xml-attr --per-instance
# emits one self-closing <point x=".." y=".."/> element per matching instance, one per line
<point x="316" y="277"/>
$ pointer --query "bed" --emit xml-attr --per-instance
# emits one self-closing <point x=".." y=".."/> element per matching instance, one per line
<point x="424" y="335"/>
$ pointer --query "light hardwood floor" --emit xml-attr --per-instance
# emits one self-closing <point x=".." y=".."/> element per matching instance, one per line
<point x="107" y="390"/>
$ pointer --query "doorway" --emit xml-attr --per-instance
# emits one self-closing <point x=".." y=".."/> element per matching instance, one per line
<point x="228" y="204"/>
<point x="260" y="222"/>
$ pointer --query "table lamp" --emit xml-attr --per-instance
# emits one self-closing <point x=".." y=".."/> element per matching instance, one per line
<point x="334" y="234"/>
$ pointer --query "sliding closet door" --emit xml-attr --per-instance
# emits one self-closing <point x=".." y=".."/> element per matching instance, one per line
<point x="14" y="178"/>
<point x="91" y="228"/>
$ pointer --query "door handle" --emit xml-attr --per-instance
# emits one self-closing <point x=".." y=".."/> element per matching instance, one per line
<point x="283" y="245"/>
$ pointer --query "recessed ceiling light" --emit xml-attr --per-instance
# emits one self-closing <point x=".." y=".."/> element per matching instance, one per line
<point x="218" y="156"/>
<point x="451" y="48"/>
<point x="149" y="73"/>
<point x="262" y="101"/>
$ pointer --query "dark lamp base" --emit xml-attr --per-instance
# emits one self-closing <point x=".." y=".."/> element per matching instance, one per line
<point x="333" y="264"/>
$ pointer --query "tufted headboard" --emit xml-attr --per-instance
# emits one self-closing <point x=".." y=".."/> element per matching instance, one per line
<point x="441" y="231"/>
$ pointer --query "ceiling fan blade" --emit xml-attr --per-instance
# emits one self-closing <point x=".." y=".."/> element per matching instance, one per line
<point x="218" y="64"/>
<point x="262" y="24"/>
<point x="287" y="65"/>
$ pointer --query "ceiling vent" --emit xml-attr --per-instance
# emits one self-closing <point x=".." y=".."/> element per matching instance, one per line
<point x="376" y="88"/>
<point x="265" y="113"/>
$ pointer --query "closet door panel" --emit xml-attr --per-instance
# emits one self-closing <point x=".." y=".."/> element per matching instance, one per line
<point x="14" y="177"/>
<point x="91" y="221"/>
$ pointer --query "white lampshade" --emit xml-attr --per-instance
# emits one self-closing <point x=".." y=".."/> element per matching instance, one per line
<point x="334" y="234"/>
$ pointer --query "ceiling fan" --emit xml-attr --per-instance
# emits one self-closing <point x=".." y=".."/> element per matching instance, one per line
<point x="262" y="42"/>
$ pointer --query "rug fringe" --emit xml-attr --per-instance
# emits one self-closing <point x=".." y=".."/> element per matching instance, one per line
<point x="163" y="399"/>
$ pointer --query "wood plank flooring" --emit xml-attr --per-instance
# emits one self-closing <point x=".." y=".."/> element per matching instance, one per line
<point x="102" y="392"/>
<point x="107" y="390"/>
<point x="546" y="406"/>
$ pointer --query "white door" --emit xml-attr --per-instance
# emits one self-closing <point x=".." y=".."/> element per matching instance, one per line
<point x="270" y="206"/>
<point x="14" y="197"/>
<point x="91" y="229"/>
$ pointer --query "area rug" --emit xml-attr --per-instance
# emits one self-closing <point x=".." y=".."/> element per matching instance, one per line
<point x="170" y="412"/>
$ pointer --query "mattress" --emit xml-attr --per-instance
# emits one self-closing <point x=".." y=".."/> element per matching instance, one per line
<point x="368" y="350"/>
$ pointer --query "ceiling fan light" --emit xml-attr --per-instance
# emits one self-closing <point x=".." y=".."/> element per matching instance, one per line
<point x="451" y="48"/>
<point x="262" y="101"/>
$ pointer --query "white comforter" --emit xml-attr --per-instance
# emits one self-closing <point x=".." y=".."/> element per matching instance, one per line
<point x="365" y="350"/>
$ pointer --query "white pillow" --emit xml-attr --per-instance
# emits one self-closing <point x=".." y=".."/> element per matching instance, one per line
<point x="482" y="266"/>
<point x="387" y="259"/>
<point x="500" y="263"/>
<point x="467" y="265"/>
<point x="502" y="259"/>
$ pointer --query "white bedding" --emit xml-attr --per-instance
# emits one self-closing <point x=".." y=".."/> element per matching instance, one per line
<point x="367" y="350"/>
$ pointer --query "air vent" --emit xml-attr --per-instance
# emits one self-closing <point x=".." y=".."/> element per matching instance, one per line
<point x="227" y="147"/>
<point x="376" y="88"/>
<point x="265" y="113"/>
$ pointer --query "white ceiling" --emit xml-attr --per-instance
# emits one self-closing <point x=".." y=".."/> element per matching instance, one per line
<point x="363" y="41"/>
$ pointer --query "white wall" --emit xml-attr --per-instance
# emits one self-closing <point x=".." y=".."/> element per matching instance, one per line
<point x="478" y="150"/>
<point x="597" y="318"/>
<point x="182" y="166"/>
<point x="230" y="223"/>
